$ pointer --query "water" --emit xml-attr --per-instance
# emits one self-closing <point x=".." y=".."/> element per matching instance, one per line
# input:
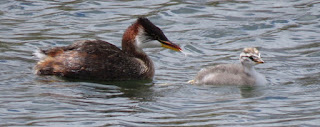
<point x="212" y="32"/>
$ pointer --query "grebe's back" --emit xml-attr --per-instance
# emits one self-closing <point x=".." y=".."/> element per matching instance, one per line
<point x="96" y="60"/>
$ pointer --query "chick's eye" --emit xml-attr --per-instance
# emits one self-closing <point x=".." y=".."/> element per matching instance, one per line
<point x="251" y="58"/>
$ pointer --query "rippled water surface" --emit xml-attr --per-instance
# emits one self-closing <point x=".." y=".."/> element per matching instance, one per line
<point x="211" y="32"/>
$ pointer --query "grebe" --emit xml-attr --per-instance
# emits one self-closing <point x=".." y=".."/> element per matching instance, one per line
<point x="234" y="74"/>
<point x="100" y="60"/>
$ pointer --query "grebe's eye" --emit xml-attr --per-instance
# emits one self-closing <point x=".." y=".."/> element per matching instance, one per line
<point x="157" y="37"/>
<point x="251" y="58"/>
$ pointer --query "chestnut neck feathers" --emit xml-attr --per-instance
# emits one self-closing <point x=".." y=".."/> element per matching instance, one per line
<point x="142" y="31"/>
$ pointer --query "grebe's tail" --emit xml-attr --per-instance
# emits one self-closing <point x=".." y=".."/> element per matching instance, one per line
<point x="39" y="53"/>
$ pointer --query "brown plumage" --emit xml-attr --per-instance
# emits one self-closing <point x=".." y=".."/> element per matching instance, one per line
<point x="100" y="60"/>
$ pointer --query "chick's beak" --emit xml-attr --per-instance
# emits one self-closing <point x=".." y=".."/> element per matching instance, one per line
<point x="170" y="45"/>
<point x="259" y="61"/>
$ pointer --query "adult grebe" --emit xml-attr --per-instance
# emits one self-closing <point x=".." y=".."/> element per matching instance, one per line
<point x="233" y="74"/>
<point x="100" y="60"/>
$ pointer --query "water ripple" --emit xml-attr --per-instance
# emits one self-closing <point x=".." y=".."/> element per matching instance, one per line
<point x="211" y="32"/>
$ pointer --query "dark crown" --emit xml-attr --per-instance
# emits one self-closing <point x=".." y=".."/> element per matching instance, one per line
<point x="151" y="30"/>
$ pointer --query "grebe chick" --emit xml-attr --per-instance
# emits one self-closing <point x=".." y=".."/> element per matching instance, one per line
<point x="234" y="74"/>
<point x="100" y="60"/>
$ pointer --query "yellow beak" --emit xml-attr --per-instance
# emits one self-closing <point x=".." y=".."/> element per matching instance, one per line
<point x="170" y="45"/>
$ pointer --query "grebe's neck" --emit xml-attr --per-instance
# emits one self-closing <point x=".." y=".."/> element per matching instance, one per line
<point x="259" y="78"/>
<point x="248" y="68"/>
<point x="129" y="42"/>
<point x="130" y="47"/>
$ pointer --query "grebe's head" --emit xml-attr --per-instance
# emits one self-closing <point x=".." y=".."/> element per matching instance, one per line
<point x="147" y="32"/>
<point x="250" y="57"/>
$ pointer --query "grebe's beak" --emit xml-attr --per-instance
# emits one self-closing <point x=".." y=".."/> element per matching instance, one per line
<point x="258" y="60"/>
<point x="170" y="45"/>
